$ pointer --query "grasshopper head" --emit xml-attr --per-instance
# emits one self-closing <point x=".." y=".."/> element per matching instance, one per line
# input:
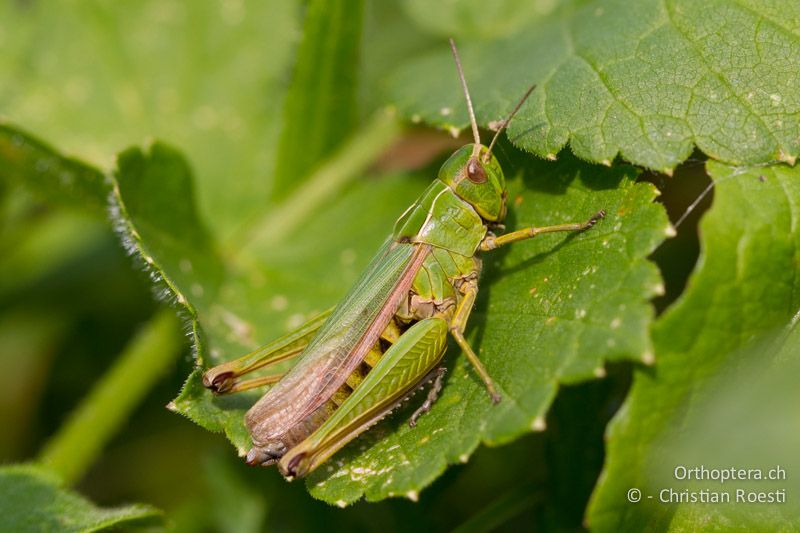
<point x="473" y="172"/>
<point x="478" y="180"/>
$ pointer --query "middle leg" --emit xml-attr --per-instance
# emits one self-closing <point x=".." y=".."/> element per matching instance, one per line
<point x="457" y="327"/>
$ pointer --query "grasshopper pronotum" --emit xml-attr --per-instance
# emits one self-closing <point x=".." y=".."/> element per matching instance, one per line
<point x="388" y="335"/>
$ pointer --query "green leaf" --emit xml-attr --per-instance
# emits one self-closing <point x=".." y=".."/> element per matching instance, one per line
<point x="157" y="217"/>
<point x="744" y="287"/>
<point x="34" y="247"/>
<point x="647" y="81"/>
<point x="320" y="109"/>
<point x="27" y="161"/>
<point x="750" y="421"/>
<point x="32" y="499"/>
<point x="225" y="502"/>
<point x="208" y="76"/>
<point x="476" y="18"/>
<point x="551" y="311"/>
<point x="35" y="242"/>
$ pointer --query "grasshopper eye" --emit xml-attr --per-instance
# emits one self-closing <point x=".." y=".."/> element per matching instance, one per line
<point x="475" y="171"/>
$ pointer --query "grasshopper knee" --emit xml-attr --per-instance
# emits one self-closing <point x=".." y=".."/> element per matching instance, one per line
<point x="218" y="383"/>
<point x="295" y="468"/>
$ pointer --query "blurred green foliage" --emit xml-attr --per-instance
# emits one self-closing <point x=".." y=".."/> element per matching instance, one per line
<point x="31" y="499"/>
<point x="241" y="90"/>
<point x="706" y="403"/>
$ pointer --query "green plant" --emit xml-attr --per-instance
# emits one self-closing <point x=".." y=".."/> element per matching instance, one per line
<point x="236" y="233"/>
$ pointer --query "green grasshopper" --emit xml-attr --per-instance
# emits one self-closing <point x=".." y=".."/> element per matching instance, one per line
<point x="387" y="337"/>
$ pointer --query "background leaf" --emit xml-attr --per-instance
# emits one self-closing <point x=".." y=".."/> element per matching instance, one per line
<point x="320" y="109"/>
<point x="754" y="398"/>
<point x="159" y="217"/>
<point x="198" y="75"/>
<point x="32" y="500"/>
<point x="647" y="81"/>
<point x="476" y="19"/>
<point x="744" y="287"/>
<point x="103" y="411"/>
<point x="35" y="242"/>
<point x="31" y="163"/>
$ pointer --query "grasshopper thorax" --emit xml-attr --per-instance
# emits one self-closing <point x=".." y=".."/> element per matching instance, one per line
<point x="478" y="180"/>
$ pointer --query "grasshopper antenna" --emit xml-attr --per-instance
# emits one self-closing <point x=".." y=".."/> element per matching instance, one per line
<point x="710" y="187"/>
<point x="506" y="122"/>
<point x="472" y="120"/>
<point x="693" y="205"/>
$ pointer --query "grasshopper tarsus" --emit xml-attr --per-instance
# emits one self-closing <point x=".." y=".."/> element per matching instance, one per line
<point x="433" y="395"/>
<point x="264" y="456"/>
<point x="595" y="218"/>
<point x="255" y="457"/>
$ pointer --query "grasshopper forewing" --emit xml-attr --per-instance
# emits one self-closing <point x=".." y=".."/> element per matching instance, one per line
<point x="388" y="335"/>
<point x="303" y="398"/>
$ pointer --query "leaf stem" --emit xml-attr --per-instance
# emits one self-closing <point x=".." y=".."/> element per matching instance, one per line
<point x="77" y="443"/>
<point x="344" y="166"/>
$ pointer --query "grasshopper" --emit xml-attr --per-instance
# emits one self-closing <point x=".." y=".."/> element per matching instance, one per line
<point x="387" y="337"/>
